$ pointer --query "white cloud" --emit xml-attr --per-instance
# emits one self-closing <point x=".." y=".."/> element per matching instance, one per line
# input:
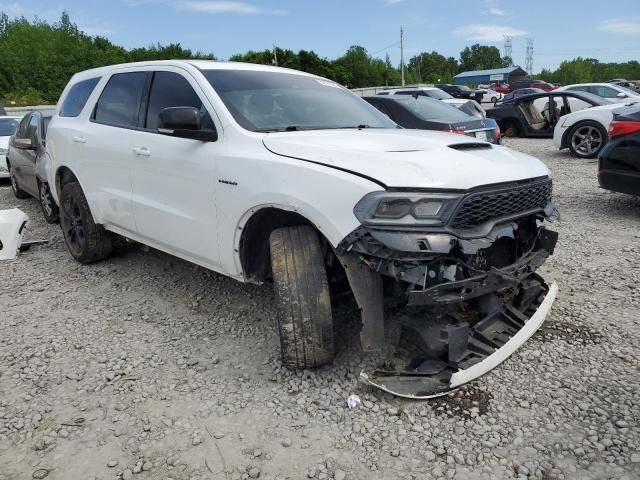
<point x="392" y="2"/>
<point x="497" y="11"/>
<point x="487" y="33"/>
<point x="629" y="26"/>
<point x="214" y="6"/>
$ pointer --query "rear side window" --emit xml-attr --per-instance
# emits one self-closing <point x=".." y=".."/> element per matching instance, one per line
<point x="171" y="89"/>
<point x="119" y="103"/>
<point x="77" y="97"/>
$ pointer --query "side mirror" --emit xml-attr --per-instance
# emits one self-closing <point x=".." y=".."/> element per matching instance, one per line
<point x="23" y="143"/>
<point x="184" y="122"/>
<point x="622" y="95"/>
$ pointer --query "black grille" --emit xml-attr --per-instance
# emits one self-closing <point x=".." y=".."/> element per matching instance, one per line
<point x="481" y="207"/>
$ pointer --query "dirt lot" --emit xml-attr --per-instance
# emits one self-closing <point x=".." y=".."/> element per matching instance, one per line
<point x="147" y="367"/>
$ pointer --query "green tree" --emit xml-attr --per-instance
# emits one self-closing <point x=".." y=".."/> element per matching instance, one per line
<point x="481" y="57"/>
<point x="433" y="67"/>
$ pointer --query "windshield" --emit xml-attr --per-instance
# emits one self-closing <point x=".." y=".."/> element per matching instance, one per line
<point x="263" y="101"/>
<point x="464" y="87"/>
<point x="437" y="94"/>
<point x="431" y="109"/>
<point x="8" y="126"/>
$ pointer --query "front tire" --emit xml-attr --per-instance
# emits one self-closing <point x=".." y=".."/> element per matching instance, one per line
<point x="587" y="139"/>
<point x="86" y="241"/>
<point x="47" y="203"/>
<point x="301" y="288"/>
<point x="15" y="188"/>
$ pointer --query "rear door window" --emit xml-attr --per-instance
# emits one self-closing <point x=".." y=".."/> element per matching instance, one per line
<point x="77" y="97"/>
<point x="171" y="89"/>
<point x="606" y="92"/>
<point x="119" y="103"/>
<point x="380" y="106"/>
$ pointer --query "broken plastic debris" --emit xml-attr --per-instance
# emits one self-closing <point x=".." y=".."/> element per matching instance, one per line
<point x="12" y="223"/>
<point x="353" y="401"/>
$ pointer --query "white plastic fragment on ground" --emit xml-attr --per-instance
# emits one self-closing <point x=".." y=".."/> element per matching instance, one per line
<point x="353" y="401"/>
<point x="12" y="226"/>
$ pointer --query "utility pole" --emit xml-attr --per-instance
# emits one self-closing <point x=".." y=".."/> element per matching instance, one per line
<point x="508" y="49"/>
<point x="529" y="57"/>
<point x="275" y="56"/>
<point x="402" y="55"/>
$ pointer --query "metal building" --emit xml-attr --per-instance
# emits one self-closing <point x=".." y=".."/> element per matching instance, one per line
<point x="496" y="75"/>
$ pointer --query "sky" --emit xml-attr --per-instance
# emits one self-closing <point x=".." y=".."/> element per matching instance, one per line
<point x="560" y="29"/>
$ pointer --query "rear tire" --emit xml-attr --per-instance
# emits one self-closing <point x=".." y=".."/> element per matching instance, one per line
<point x="17" y="191"/>
<point x="587" y="139"/>
<point x="86" y="241"/>
<point x="509" y="130"/>
<point x="301" y="288"/>
<point x="47" y="203"/>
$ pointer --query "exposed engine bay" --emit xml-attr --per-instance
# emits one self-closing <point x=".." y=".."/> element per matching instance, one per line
<point x="466" y="295"/>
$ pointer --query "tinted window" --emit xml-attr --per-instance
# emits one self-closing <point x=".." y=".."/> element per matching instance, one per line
<point x="606" y="92"/>
<point x="430" y="109"/>
<point x="173" y="90"/>
<point x="46" y="122"/>
<point x="382" y="107"/>
<point x="8" y="126"/>
<point x="77" y="97"/>
<point x="32" y="129"/>
<point x="22" y="129"/>
<point x="119" y="103"/>
<point x="275" y="101"/>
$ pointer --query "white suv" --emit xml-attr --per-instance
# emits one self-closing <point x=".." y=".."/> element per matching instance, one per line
<point x="262" y="173"/>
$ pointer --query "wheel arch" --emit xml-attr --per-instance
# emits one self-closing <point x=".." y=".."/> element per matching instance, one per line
<point x="252" y="245"/>
<point x="63" y="175"/>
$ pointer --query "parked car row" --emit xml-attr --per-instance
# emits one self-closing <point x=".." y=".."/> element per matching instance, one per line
<point x="470" y="107"/>
<point x="577" y="117"/>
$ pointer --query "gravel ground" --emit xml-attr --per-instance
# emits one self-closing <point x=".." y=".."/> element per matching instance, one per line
<point x="145" y="366"/>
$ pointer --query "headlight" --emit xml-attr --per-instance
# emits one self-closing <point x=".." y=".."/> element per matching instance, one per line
<point x="406" y="208"/>
<point x="3" y="151"/>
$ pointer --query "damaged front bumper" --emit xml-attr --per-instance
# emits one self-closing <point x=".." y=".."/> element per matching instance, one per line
<point x="488" y="344"/>
<point x="467" y="303"/>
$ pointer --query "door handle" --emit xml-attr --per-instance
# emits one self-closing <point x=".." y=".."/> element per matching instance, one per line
<point x="142" y="151"/>
<point x="79" y="139"/>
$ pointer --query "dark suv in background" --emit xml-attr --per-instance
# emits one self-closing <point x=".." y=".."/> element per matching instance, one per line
<point x="461" y="91"/>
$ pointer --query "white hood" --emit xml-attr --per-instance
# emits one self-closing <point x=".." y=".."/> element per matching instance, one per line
<point x="408" y="158"/>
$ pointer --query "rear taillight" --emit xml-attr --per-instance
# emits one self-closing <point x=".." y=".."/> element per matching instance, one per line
<point x="618" y="128"/>
<point x="459" y="132"/>
<point x="498" y="135"/>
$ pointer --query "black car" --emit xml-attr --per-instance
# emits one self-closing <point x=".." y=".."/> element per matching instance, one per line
<point x="461" y="91"/>
<point x="536" y="115"/>
<point x="519" y="93"/>
<point x="426" y="113"/>
<point x="26" y="158"/>
<point x="619" y="162"/>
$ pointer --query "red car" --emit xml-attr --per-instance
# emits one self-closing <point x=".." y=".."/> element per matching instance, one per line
<point x="541" y="84"/>
<point x="500" y="88"/>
